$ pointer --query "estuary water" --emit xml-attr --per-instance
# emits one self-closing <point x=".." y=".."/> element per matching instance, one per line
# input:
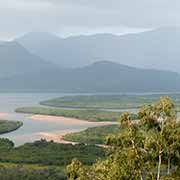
<point x="28" y="132"/>
<point x="31" y="128"/>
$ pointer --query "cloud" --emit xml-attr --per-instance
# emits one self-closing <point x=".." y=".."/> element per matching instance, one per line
<point x="142" y="13"/>
<point x="20" y="16"/>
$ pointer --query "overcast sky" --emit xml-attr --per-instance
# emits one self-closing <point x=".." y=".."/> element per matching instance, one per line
<point x="68" y="17"/>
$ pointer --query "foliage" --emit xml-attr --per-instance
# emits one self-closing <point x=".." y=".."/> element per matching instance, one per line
<point x="93" y="135"/>
<point x="48" y="153"/>
<point x="89" y="115"/>
<point x="139" y="151"/>
<point x="21" y="173"/>
<point x="72" y="170"/>
<point x="6" y="144"/>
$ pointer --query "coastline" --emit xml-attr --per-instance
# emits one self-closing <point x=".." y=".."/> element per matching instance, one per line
<point x="58" y="136"/>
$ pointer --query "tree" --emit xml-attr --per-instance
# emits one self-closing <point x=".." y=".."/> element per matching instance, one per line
<point x="125" y="160"/>
<point x="162" y="132"/>
<point x="138" y="150"/>
<point x="73" y="171"/>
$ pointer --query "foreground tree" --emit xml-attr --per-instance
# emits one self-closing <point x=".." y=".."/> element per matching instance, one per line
<point x="138" y="150"/>
<point x="162" y="140"/>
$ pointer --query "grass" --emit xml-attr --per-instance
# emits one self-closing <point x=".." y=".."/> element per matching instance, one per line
<point x="8" y="126"/>
<point x="108" y="101"/>
<point x="89" y="115"/>
<point x="95" y="135"/>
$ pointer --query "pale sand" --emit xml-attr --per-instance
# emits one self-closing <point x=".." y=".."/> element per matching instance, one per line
<point x="66" y="120"/>
<point x="58" y="137"/>
<point x="3" y="115"/>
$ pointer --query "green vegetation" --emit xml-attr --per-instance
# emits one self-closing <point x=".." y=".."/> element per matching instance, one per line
<point x="94" y="135"/>
<point x="108" y="101"/>
<point x="42" y="160"/>
<point x="28" y="172"/>
<point x="147" y="150"/>
<point x="89" y="115"/>
<point x="8" y="126"/>
<point x="48" y="153"/>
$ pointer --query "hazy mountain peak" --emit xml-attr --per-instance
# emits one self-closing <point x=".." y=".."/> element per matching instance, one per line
<point x="38" y="36"/>
<point x="155" y="49"/>
<point x="103" y="63"/>
<point x="15" y="59"/>
<point x="169" y="29"/>
<point x="15" y="48"/>
<point x="96" y="35"/>
<point x="9" y="43"/>
<point x="107" y="64"/>
<point x="103" y="76"/>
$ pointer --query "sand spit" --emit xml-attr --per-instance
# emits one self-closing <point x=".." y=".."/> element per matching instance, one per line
<point x="67" y="121"/>
<point x="3" y="115"/>
<point x="57" y="137"/>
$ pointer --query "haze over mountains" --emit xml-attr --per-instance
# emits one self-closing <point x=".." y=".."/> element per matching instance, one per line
<point x="15" y="59"/>
<point x="99" y="77"/>
<point x="45" y="62"/>
<point x="157" y="49"/>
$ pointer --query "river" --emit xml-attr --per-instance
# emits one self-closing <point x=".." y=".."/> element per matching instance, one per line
<point x="28" y="132"/>
<point x="31" y="128"/>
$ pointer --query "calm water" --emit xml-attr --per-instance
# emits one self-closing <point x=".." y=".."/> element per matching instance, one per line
<point x="28" y="132"/>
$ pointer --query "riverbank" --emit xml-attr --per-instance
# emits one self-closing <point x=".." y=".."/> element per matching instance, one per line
<point x="58" y="136"/>
<point x="68" y="120"/>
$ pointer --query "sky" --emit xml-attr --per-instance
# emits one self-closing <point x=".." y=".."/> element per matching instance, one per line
<point x="71" y="17"/>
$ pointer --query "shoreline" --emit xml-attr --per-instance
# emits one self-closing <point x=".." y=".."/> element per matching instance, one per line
<point x="58" y="136"/>
<point x="68" y="121"/>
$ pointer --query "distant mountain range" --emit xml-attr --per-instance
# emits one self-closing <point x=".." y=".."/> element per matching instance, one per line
<point x="98" y="77"/>
<point x="156" y="49"/>
<point x="15" y="59"/>
<point x="45" y="62"/>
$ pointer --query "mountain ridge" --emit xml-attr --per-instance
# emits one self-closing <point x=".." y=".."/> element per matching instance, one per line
<point x="154" y="49"/>
<point x="99" y="77"/>
<point x="15" y="59"/>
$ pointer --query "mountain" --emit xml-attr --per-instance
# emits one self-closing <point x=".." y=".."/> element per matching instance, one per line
<point x="157" y="49"/>
<point x="16" y="60"/>
<point x="38" y="36"/>
<point x="101" y="76"/>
